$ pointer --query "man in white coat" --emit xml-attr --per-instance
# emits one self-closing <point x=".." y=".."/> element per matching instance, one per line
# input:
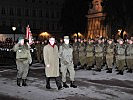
<point x="66" y="57"/>
<point x="51" y="60"/>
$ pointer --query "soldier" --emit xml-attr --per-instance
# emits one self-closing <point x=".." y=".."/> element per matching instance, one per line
<point x="109" y="55"/>
<point x="38" y="51"/>
<point x="120" y="56"/>
<point x="90" y="54"/>
<point x="99" y="55"/>
<point x="129" y="56"/>
<point x="23" y="59"/>
<point x="75" y="53"/>
<point x="82" y="54"/>
<point x="104" y="51"/>
<point x="66" y="57"/>
<point x="41" y="50"/>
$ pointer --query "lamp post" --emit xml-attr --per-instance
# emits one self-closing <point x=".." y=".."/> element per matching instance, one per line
<point x="14" y="28"/>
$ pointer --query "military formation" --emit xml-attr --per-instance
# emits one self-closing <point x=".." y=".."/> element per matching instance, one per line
<point x="103" y="53"/>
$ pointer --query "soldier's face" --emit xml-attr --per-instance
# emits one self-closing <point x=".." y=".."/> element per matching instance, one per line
<point x="75" y="40"/>
<point x="120" y="42"/>
<point x="130" y="42"/>
<point x="79" y="40"/>
<point x="66" y="41"/>
<point x="99" y="41"/>
<point x="110" y="42"/>
<point x="61" y="41"/>
<point x="52" y="41"/>
<point x="21" y="41"/>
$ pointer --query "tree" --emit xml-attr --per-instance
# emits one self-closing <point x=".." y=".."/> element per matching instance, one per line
<point x="73" y="16"/>
<point x="118" y="14"/>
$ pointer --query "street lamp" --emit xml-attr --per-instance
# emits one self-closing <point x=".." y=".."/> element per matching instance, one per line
<point x="14" y="28"/>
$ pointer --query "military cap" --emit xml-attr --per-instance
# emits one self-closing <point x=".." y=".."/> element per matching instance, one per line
<point x="66" y="37"/>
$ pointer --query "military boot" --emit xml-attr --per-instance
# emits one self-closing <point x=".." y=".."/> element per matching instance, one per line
<point x="120" y="72"/>
<point x="58" y="83"/>
<point x="65" y="85"/>
<point x="129" y="71"/>
<point x="18" y="81"/>
<point x="88" y="67"/>
<point x="109" y="70"/>
<point x="72" y="84"/>
<point x="24" y="82"/>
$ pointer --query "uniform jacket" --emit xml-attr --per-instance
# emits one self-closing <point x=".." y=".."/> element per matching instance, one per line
<point x="66" y="54"/>
<point x="22" y="53"/>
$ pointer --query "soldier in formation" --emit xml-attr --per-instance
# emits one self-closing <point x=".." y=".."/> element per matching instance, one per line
<point x="129" y="56"/>
<point x="90" y="54"/>
<point x="82" y="54"/>
<point x="109" y="55"/>
<point x="99" y="55"/>
<point x="120" y="56"/>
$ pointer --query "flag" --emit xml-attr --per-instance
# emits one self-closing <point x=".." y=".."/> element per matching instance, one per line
<point x="29" y="35"/>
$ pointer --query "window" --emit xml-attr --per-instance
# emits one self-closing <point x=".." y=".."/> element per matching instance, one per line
<point x="3" y="12"/>
<point x="47" y="14"/>
<point x="40" y="13"/>
<point x="34" y="13"/>
<point x="58" y="14"/>
<point x="53" y="28"/>
<point x="11" y="12"/>
<point x="19" y="12"/>
<point x="27" y="12"/>
<point x="52" y="15"/>
<point x="47" y="26"/>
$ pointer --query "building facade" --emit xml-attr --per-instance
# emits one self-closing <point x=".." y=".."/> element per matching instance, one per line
<point x="41" y="15"/>
<point x="96" y="18"/>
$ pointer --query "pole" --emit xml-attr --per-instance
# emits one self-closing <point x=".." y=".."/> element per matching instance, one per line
<point x="14" y="35"/>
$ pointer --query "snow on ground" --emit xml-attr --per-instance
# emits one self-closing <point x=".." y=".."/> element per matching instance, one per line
<point x="93" y="75"/>
<point x="91" y="91"/>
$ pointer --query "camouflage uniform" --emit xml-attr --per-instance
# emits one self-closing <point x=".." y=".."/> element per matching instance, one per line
<point x="90" y="55"/>
<point x="109" y="56"/>
<point x="23" y="59"/>
<point x="120" y="57"/>
<point x="75" y="54"/>
<point x="99" y="56"/>
<point x="66" y="58"/>
<point x="82" y="54"/>
<point x="129" y="57"/>
<point x="38" y="52"/>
